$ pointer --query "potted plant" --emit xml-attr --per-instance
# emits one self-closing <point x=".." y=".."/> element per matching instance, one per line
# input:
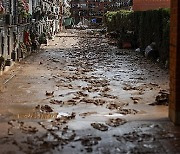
<point x="23" y="9"/>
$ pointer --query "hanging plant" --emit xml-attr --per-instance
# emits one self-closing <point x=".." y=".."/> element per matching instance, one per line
<point x="23" y="8"/>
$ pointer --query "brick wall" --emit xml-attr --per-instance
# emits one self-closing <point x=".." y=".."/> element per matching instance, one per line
<point x="174" y="106"/>
<point x="143" y="5"/>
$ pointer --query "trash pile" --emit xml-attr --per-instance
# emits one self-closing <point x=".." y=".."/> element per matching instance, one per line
<point x="162" y="98"/>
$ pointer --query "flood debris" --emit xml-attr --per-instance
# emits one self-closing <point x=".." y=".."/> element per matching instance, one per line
<point x="56" y="102"/>
<point x="81" y="94"/>
<point x="71" y="102"/>
<point x="76" y="98"/>
<point x="109" y="96"/>
<point x="89" y="149"/>
<point x="119" y="108"/>
<point x="154" y="84"/>
<point x="127" y="111"/>
<point x="136" y="99"/>
<point x="59" y="131"/>
<point x="97" y="102"/>
<point x="99" y="126"/>
<point x="91" y="89"/>
<point x="135" y="137"/>
<point x="87" y="114"/>
<point x="64" y="119"/>
<point x="136" y="102"/>
<point x="23" y="127"/>
<point x="49" y="93"/>
<point x="89" y="78"/>
<point x="65" y="134"/>
<point x="98" y="83"/>
<point x="9" y="79"/>
<point x="55" y="60"/>
<point x="44" y="108"/>
<point x="15" y="123"/>
<point x="129" y="87"/>
<point x="105" y="89"/>
<point x="139" y="142"/>
<point x="116" y="122"/>
<point x="151" y="51"/>
<point x="162" y="98"/>
<point x="89" y="141"/>
<point x="41" y="144"/>
<point x="29" y="129"/>
<point x="116" y="106"/>
<point x="49" y="126"/>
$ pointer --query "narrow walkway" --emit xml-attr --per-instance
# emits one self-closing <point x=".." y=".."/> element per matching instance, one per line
<point x="80" y="95"/>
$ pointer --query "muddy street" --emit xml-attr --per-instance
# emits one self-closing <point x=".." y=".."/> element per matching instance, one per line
<point x="81" y="95"/>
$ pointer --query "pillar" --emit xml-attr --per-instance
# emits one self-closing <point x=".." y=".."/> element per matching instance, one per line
<point x="174" y="103"/>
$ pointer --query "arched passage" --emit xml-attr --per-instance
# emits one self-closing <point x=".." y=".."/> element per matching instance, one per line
<point x="174" y="106"/>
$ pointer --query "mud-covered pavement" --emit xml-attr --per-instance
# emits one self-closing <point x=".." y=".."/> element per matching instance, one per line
<point x="80" y="95"/>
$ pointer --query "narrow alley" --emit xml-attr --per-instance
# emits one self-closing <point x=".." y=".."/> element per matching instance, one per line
<point x="81" y="95"/>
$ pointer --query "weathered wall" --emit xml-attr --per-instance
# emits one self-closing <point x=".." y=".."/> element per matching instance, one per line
<point x="143" y="5"/>
<point x="174" y="107"/>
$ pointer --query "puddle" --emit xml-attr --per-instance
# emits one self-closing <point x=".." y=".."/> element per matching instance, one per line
<point x="99" y="126"/>
<point x="84" y="89"/>
<point x="115" y="122"/>
<point x="35" y="116"/>
<point x="59" y="115"/>
<point x="80" y="83"/>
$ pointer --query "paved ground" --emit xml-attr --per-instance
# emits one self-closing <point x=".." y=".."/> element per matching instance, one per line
<point x="81" y="95"/>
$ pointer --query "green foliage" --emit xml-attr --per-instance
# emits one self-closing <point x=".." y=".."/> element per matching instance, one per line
<point x="118" y="20"/>
<point x="147" y="27"/>
<point x="110" y="20"/>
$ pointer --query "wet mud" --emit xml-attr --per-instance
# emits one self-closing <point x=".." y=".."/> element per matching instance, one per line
<point x="83" y="95"/>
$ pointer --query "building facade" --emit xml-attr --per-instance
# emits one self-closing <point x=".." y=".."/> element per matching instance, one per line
<point x="93" y="10"/>
<point x="143" y="5"/>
